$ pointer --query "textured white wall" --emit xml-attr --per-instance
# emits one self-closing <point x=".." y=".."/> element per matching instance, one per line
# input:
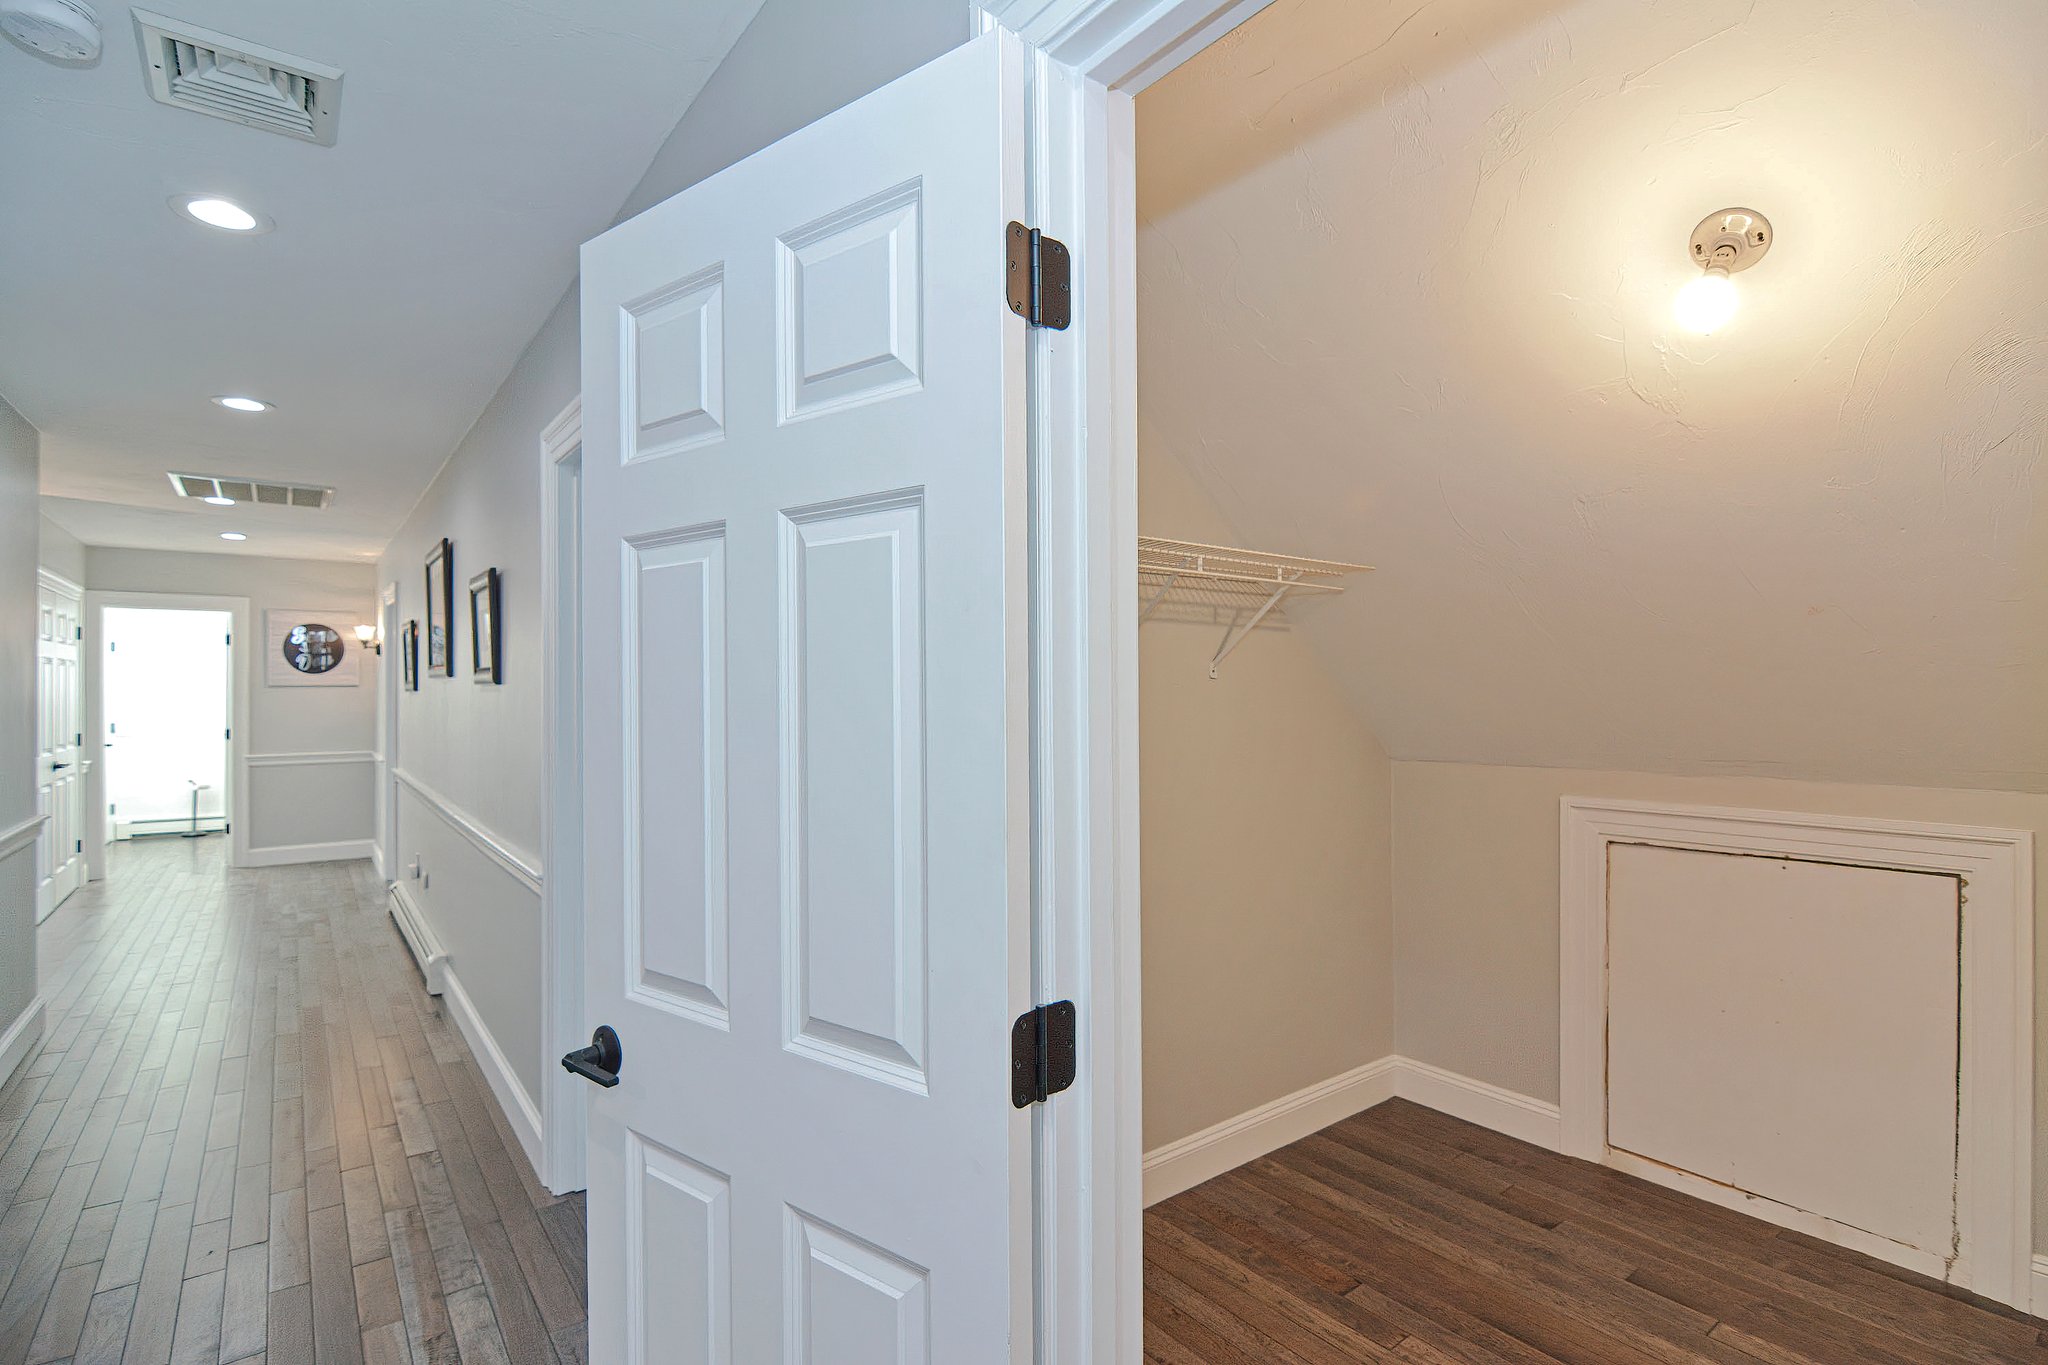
<point x="60" y="551"/>
<point x="1267" y="857"/>
<point x="1406" y="283"/>
<point x="19" y="457"/>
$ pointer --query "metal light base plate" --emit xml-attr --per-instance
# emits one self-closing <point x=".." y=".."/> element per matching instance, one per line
<point x="1733" y="239"/>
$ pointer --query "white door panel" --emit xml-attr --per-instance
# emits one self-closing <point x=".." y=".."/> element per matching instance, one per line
<point x="60" y="719"/>
<point x="804" y="605"/>
<point x="1790" y="1029"/>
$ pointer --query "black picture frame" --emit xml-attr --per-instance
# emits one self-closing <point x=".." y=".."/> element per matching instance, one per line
<point x="409" y="653"/>
<point x="486" y="662"/>
<point x="440" y="631"/>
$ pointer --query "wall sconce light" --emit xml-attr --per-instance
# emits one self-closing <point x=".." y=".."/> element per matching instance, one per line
<point x="1723" y="243"/>
<point x="370" y="638"/>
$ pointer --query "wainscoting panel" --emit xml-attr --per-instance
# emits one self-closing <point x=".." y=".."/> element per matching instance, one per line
<point x="310" y="807"/>
<point x="473" y="899"/>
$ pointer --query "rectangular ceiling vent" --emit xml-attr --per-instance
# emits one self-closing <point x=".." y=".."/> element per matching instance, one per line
<point x="211" y="73"/>
<point x="258" y="491"/>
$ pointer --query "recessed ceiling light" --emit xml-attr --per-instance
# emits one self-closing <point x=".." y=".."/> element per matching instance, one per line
<point x="219" y="501"/>
<point x="216" y="212"/>
<point x="242" y="404"/>
<point x="232" y="535"/>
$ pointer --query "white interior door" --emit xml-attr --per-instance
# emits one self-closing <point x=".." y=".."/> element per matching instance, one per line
<point x="60" y="722"/>
<point x="1790" y="1030"/>
<point x="806" y="803"/>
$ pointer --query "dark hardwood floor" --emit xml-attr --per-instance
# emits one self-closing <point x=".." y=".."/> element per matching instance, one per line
<point x="249" y="1135"/>
<point x="1404" y="1235"/>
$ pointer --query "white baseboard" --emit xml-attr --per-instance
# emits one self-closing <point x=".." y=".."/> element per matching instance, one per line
<point x="2040" y="1308"/>
<point x="21" y="1038"/>
<point x="1489" y="1106"/>
<point x="518" y="1107"/>
<point x="427" y="952"/>
<point x="1205" y="1155"/>
<point x="279" y="855"/>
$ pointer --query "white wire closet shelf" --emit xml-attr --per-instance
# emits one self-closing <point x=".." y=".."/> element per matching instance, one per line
<point x="1241" y="588"/>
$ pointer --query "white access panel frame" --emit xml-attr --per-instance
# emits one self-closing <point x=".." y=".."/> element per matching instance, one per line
<point x="1996" y="1108"/>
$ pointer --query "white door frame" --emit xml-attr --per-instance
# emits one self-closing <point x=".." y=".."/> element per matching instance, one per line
<point x="237" y="608"/>
<point x="563" y="1097"/>
<point x="390" y="683"/>
<point x="1088" y="60"/>
<point x="74" y="593"/>
<point x="1996" y="1114"/>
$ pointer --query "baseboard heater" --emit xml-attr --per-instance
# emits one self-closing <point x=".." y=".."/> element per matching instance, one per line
<point x="426" y="950"/>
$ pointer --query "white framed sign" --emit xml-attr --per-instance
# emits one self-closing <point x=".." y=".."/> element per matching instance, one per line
<point x="311" y="647"/>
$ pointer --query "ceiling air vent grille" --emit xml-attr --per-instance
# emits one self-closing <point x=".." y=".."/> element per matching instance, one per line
<point x="211" y="73"/>
<point x="251" y="490"/>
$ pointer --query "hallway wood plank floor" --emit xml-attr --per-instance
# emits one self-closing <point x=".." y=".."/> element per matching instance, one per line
<point x="250" y="1135"/>
<point x="1404" y="1235"/>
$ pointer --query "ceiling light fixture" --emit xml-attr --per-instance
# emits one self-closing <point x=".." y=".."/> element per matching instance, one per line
<point x="225" y="214"/>
<point x="239" y="403"/>
<point x="218" y="501"/>
<point x="1723" y="243"/>
<point x="232" y="535"/>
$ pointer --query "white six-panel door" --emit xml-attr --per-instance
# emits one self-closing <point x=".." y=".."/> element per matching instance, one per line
<point x="60" y="719"/>
<point x="806" y="801"/>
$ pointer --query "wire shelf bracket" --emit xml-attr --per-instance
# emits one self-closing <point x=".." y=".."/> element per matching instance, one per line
<point x="1245" y="588"/>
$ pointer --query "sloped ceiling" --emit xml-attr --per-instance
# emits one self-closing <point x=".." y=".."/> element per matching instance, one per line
<point x="1406" y="273"/>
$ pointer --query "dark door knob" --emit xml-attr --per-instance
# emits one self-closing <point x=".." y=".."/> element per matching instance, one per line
<point x="600" y="1061"/>
<point x="56" y="767"/>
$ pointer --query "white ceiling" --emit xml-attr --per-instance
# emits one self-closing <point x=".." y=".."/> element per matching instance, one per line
<point x="1405" y="282"/>
<point x="479" y="145"/>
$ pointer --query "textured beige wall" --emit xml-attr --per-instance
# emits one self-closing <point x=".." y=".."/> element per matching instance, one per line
<point x="1476" y="873"/>
<point x="1268" y="929"/>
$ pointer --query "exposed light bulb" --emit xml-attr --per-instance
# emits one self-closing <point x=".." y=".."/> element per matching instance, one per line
<point x="232" y="535"/>
<point x="237" y="403"/>
<point x="1706" y="303"/>
<point x="218" y="501"/>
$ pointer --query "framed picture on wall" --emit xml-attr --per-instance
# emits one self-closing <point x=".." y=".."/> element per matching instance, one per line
<point x="409" y="652"/>
<point x="485" y="663"/>
<point x="441" y="610"/>
<point x="311" y="647"/>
